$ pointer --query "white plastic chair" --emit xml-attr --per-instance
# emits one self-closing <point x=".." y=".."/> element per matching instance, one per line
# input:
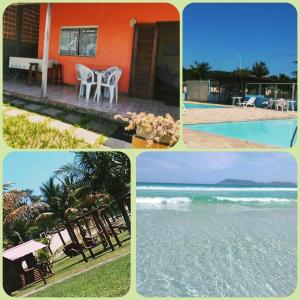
<point x="87" y="78"/>
<point x="281" y="103"/>
<point x="110" y="81"/>
<point x="249" y="102"/>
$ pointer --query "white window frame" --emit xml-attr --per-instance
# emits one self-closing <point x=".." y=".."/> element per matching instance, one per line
<point x="79" y="27"/>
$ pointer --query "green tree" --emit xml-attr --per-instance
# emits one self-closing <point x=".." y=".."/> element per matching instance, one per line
<point x="259" y="69"/>
<point x="243" y="73"/>
<point x="105" y="173"/>
<point x="284" y="78"/>
<point x="62" y="197"/>
<point x="16" y="206"/>
<point x="19" y="213"/>
<point x="200" y="70"/>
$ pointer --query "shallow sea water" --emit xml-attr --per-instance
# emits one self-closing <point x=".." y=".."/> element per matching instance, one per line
<point x="198" y="248"/>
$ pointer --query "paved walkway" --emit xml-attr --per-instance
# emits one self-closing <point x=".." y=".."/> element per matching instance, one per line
<point x="233" y="114"/>
<point x="71" y="276"/>
<point x="97" y="130"/>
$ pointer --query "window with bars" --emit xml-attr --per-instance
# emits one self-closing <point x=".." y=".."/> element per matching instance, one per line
<point x="78" y="41"/>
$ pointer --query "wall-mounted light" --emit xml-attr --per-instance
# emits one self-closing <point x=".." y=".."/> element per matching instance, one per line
<point x="132" y="22"/>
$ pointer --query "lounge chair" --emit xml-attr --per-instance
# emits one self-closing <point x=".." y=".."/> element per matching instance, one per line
<point x="269" y="104"/>
<point x="249" y="102"/>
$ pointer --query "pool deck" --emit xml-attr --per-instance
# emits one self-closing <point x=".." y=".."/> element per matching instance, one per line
<point x="233" y="114"/>
<point x="203" y="140"/>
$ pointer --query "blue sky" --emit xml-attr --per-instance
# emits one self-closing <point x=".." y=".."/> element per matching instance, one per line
<point x="28" y="170"/>
<point x="233" y="35"/>
<point x="212" y="167"/>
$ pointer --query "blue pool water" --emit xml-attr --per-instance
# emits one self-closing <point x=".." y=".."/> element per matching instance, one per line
<point x="272" y="132"/>
<point x="200" y="105"/>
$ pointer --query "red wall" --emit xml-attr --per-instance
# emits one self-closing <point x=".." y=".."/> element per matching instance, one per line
<point x="115" y="35"/>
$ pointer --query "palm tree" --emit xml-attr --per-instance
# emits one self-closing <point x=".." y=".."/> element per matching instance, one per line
<point x="273" y="78"/>
<point x="243" y="73"/>
<point x="284" y="78"/>
<point x="19" y="213"/>
<point x="62" y="197"/>
<point x="200" y="70"/>
<point x="103" y="172"/>
<point x="16" y="206"/>
<point x="259" y="69"/>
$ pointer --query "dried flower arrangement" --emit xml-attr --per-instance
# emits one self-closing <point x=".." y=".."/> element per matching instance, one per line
<point x="158" y="129"/>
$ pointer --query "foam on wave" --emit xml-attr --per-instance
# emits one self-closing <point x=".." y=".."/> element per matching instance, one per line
<point x="163" y="200"/>
<point x="254" y="199"/>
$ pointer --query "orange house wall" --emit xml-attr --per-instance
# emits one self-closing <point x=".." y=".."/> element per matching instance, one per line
<point x="115" y="35"/>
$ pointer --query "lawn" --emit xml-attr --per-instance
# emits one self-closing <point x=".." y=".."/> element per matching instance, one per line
<point x="110" y="280"/>
<point x="67" y="266"/>
<point x="21" y="133"/>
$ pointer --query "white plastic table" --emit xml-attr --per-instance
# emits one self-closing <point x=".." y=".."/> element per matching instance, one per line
<point x="99" y="75"/>
<point x="236" y="98"/>
<point x="292" y="104"/>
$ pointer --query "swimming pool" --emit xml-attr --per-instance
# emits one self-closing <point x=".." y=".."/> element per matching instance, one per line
<point x="200" y="105"/>
<point x="271" y="132"/>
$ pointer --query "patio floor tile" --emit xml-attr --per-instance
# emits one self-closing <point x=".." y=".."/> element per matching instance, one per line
<point x="115" y="143"/>
<point x="18" y="102"/>
<point x="67" y="97"/>
<point x="53" y="112"/>
<point x="72" y="118"/>
<point x="33" y="107"/>
<point x="102" y="126"/>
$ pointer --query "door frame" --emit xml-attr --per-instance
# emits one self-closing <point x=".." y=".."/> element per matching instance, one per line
<point x="153" y="58"/>
<point x="154" y="55"/>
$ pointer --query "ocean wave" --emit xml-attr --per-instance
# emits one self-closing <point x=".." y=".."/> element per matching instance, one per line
<point x="254" y="199"/>
<point x="163" y="200"/>
<point x="187" y="188"/>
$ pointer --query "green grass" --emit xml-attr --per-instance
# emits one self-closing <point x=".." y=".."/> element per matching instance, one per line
<point x="110" y="280"/>
<point x="67" y="266"/>
<point x="21" y="133"/>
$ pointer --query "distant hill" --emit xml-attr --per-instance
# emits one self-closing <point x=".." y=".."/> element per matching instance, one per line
<point x="251" y="182"/>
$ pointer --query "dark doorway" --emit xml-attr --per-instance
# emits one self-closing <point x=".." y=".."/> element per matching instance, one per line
<point x="166" y="86"/>
<point x="155" y="62"/>
<point x="20" y="33"/>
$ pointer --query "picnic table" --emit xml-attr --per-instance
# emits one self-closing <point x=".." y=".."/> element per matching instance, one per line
<point x="26" y="63"/>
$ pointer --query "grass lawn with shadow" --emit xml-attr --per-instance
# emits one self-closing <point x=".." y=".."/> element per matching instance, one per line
<point x="110" y="280"/>
<point x="65" y="266"/>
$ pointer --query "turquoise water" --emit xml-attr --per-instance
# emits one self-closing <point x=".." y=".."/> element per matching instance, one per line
<point x="210" y="240"/>
<point x="272" y="132"/>
<point x="200" y="105"/>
